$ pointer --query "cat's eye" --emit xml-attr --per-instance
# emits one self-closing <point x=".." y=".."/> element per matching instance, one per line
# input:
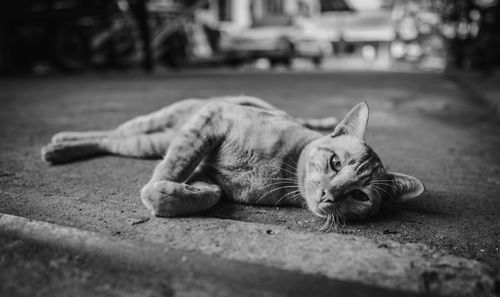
<point x="359" y="195"/>
<point x="335" y="163"/>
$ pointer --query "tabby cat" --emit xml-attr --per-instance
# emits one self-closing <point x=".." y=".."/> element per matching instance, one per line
<point x="243" y="149"/>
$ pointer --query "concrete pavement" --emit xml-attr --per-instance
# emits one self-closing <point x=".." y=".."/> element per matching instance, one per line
<point x="152" y="270"/>
<point x="421" y="124"/>
<point x="484" y="87"/>
<point x="353" y="265"/>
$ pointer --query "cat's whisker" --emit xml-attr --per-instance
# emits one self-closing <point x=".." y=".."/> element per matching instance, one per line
<point x="335" y="221"/>
<point x="291" y="172"/>
<point x="386" y="183"/>
<point x="279" y="188"/>
<point x="345" y="218"/>
<point x="326" y="224"/>
<point x="299" y="197"/>
<point x="341" y="217"/>
<point x="284" y="196"/>
<point x="290" y="165"/>
<point x="330" y="222"/>
<point x="280" y="182"/>
<point x="337" y="218"/>
<point x="283" y="179"/>
<point x="289" y="178"/>
<point x="379" y="186"/>
<point x="292" y="192"/>
<point x="378" y="183"/>
<point x="335" y="224"/>
<point x="293" y="161"/>
<point x="280" y="185"/>
<point x="377" y="192"/>
<point x="381" y="189"/>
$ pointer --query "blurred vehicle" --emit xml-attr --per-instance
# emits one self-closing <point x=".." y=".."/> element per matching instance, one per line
<point x="69" y="34"/>
<point x="280" y="39"/>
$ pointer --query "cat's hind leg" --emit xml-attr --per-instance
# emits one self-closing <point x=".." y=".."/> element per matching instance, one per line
<point x="167" y="117"/>
<point x="77" y="135"/>
<point x="144" y="124"/>
<point x="152" y="145"/>
<point x="67" y="151"/>
<point x="157" y="121"/>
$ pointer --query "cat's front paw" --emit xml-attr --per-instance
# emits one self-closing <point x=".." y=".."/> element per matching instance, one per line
<point x="163" y="198"/>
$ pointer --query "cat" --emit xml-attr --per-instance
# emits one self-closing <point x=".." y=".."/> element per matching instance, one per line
<point x="245" y="150"/>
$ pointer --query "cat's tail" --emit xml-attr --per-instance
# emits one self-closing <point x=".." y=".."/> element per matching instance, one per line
<point x="327" y="123"/>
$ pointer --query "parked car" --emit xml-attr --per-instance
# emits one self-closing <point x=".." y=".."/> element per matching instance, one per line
<point x="279" y="39"/>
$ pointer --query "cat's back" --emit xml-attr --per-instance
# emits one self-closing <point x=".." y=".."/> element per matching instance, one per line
<point x="267" y="131"/>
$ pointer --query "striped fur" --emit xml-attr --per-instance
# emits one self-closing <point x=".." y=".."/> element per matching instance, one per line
<point x="246" y="150"/>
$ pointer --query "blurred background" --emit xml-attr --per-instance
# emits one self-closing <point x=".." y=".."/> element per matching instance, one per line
<point x="428" y="69"/>
<point x="45" y="36"/>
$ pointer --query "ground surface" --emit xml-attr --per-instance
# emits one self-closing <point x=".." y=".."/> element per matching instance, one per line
<point x="420" y="124"/>
<point x="85" y="263"/>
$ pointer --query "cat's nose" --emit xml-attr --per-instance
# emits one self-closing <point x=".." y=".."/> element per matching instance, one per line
<point x="327" y="197"/>
<point x="333" y="194"/>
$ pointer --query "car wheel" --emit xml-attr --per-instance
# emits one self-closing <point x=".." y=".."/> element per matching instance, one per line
<point x="274" y="62"/>
<point x="235" y="63"/>
<point x="290" y="54"/>
<point x="287" y="62"/>
<point x="317" y="61"/>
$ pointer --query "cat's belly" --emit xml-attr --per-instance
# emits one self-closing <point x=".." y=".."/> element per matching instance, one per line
<point x="258" y="185"/>
<point x="256" y="162"/>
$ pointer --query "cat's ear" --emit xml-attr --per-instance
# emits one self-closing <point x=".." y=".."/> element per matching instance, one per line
<point x="404" y="187"/>
<point x="354" y="123"/>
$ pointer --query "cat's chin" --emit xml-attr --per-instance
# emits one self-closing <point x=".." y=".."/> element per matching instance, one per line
<point x="326" y="208"/>
<point x="321" y="209"/>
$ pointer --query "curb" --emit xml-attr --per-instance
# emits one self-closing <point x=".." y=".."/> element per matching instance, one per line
<point x="236" y="278"/>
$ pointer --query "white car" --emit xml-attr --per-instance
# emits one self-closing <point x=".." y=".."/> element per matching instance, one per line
<point x="279" y="39"/>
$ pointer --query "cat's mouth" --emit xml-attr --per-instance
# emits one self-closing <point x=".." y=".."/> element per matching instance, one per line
<point x="326" y="203"/>
<point x="326" y="207"/>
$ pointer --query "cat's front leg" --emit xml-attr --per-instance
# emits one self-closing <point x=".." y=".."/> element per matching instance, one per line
<point x="171" y="199"/>
<point x="170" y="192"/>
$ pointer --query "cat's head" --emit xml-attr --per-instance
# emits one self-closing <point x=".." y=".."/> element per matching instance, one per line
<point x="343" y="176"/>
